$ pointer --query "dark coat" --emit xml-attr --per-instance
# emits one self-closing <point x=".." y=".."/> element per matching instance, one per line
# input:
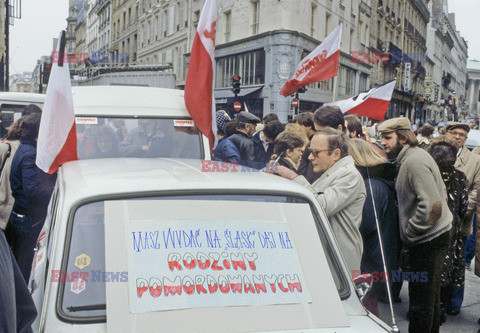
<point x="456" y="185"/>
<point x="31" y="187"/>
<point x="18" y="310"/>
<point x="286" y="163"/>
<point x="245" y="146"/>
<point x="226" y="151"/>
<point x="382" y="179"/>
<point x="261" y="155"/>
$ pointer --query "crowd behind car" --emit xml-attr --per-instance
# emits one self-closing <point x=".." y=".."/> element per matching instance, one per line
<point x="415" y="186"/>
<point x="417" y="191"/>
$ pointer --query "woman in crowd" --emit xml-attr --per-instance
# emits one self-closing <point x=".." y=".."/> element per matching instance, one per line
<point x="444" y="152"/>
<point x="379" y="176"/>
<point x="297" y="129"/>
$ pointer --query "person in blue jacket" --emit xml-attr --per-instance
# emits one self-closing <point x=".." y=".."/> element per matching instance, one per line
<point x="31" y="189"/>
<point x="225" y="150"/>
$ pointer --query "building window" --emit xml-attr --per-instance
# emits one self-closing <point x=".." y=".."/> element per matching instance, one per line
<point x="363" y="83"/>
<point x="250" y="66"/>
<point x="255" y="16"/>
<point x="313" y="20"/>
<point x="228" y="25"/>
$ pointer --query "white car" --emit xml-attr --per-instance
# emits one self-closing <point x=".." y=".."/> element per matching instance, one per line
<point x="173" y="245"/>
<point x="126" y="107"/>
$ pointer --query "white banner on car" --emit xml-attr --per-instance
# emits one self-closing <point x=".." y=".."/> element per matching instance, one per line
<point x="204" y="263"/>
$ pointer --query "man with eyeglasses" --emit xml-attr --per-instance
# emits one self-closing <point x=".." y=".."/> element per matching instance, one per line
<point x="469" y="163"/>
<point x="340" y="190"/>
<point x="425" y="220"/>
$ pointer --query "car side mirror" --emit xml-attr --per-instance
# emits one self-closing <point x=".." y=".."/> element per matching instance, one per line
<point x="363" y="284"/>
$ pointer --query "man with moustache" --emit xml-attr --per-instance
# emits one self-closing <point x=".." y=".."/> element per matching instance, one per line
<point x="425" y="220"/>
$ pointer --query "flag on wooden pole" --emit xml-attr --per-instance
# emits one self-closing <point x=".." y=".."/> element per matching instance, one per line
<point x="57" y="137"/>
<point x="320" y="65"/>
<point x="199" y="81"/>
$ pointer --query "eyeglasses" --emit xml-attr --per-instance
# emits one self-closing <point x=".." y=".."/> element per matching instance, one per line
<point x="315" y="152"/>
<point x="459" y="134"/>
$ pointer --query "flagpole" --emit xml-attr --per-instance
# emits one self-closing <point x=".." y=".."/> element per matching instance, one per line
<point x="334" y="88"/>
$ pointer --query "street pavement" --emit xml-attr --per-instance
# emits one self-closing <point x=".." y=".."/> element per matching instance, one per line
<point x="466" y="321"/>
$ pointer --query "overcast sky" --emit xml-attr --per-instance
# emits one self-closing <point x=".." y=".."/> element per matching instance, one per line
<point x="31" y="36"/>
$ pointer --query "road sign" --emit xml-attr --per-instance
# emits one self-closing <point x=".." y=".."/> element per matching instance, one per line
<point x="294" y="102"/>
<point x="237" y="106"/>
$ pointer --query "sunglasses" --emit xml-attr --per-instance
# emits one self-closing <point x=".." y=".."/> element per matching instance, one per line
<point x="315" y="152"/>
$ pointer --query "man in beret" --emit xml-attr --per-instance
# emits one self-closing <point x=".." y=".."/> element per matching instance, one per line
<point x="425" y="220"/>
<point x="246" y="123"/>
<point x="225" y="150"/>
<point x="469" y="163"/>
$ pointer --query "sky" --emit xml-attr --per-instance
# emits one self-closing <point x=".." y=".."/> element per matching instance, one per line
<point x="32" y="35"/>
<point x="468" y="23"/>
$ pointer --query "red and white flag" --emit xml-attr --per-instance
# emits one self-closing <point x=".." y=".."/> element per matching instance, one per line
<point x="320" y="65"/>
<point x="199" y="81"/>
<point x="57" y="137"/>
<point x="371" y="104"/>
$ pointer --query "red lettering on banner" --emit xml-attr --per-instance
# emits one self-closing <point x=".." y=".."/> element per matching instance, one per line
<point x="173" y="261"/>
<point x="200" y="282"/>
<point x="236" y="287"/>
<point x="192" y="263"/>
<point x="155" y="287"/>
<point x="295" y="285"/>
<point x="142" y="286"/>
<point x="280" y="284"/>
<point x="239" y="263"/>
<point x="215" y="267"/>
<point x="223" y="285"/>
<point x="172" y="287"/>
<point x="247" y="285"/>
<point x="188" y="285"/>
<point x="261" y="287"/>
<point x="226" y="264"/>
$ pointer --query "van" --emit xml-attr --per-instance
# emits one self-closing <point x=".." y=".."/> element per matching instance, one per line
<point x="120" y="113"/>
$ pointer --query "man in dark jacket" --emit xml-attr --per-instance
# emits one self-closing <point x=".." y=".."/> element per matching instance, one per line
<point x="246" y="123"/>
<point x="31" y="189"/>
<point x="264" y="141"/>
<point x="225" y="150"/>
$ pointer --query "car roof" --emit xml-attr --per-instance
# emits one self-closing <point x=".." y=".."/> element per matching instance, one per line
<point x="21" y="98"/>
<point x="115" y="176"/>
<point x="128" y="101"/>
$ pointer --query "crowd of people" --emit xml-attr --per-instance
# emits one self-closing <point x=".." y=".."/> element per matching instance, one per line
<point x="418" y="192"/>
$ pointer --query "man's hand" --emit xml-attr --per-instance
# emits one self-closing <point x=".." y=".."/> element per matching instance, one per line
<point x="280" y="170"/>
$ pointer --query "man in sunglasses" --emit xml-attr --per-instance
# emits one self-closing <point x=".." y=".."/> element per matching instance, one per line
<point x="340" y="190"/>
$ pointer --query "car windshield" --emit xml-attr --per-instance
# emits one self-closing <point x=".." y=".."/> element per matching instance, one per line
<point x="84" y="278"/>
<point x="101" y="137"/>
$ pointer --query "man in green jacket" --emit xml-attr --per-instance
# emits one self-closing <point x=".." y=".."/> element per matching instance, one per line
<point x="425" y="220"/>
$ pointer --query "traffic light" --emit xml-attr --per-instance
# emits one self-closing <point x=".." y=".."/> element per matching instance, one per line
<point x="236" y="84"/>
<point x="47" y="67"/>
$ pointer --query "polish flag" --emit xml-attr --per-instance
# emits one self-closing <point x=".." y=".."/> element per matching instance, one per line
<point x="199" y="81"/>
<point x="320" y="65"/>
<point x="57" y="138"/>
<point x="371" y="104"/>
